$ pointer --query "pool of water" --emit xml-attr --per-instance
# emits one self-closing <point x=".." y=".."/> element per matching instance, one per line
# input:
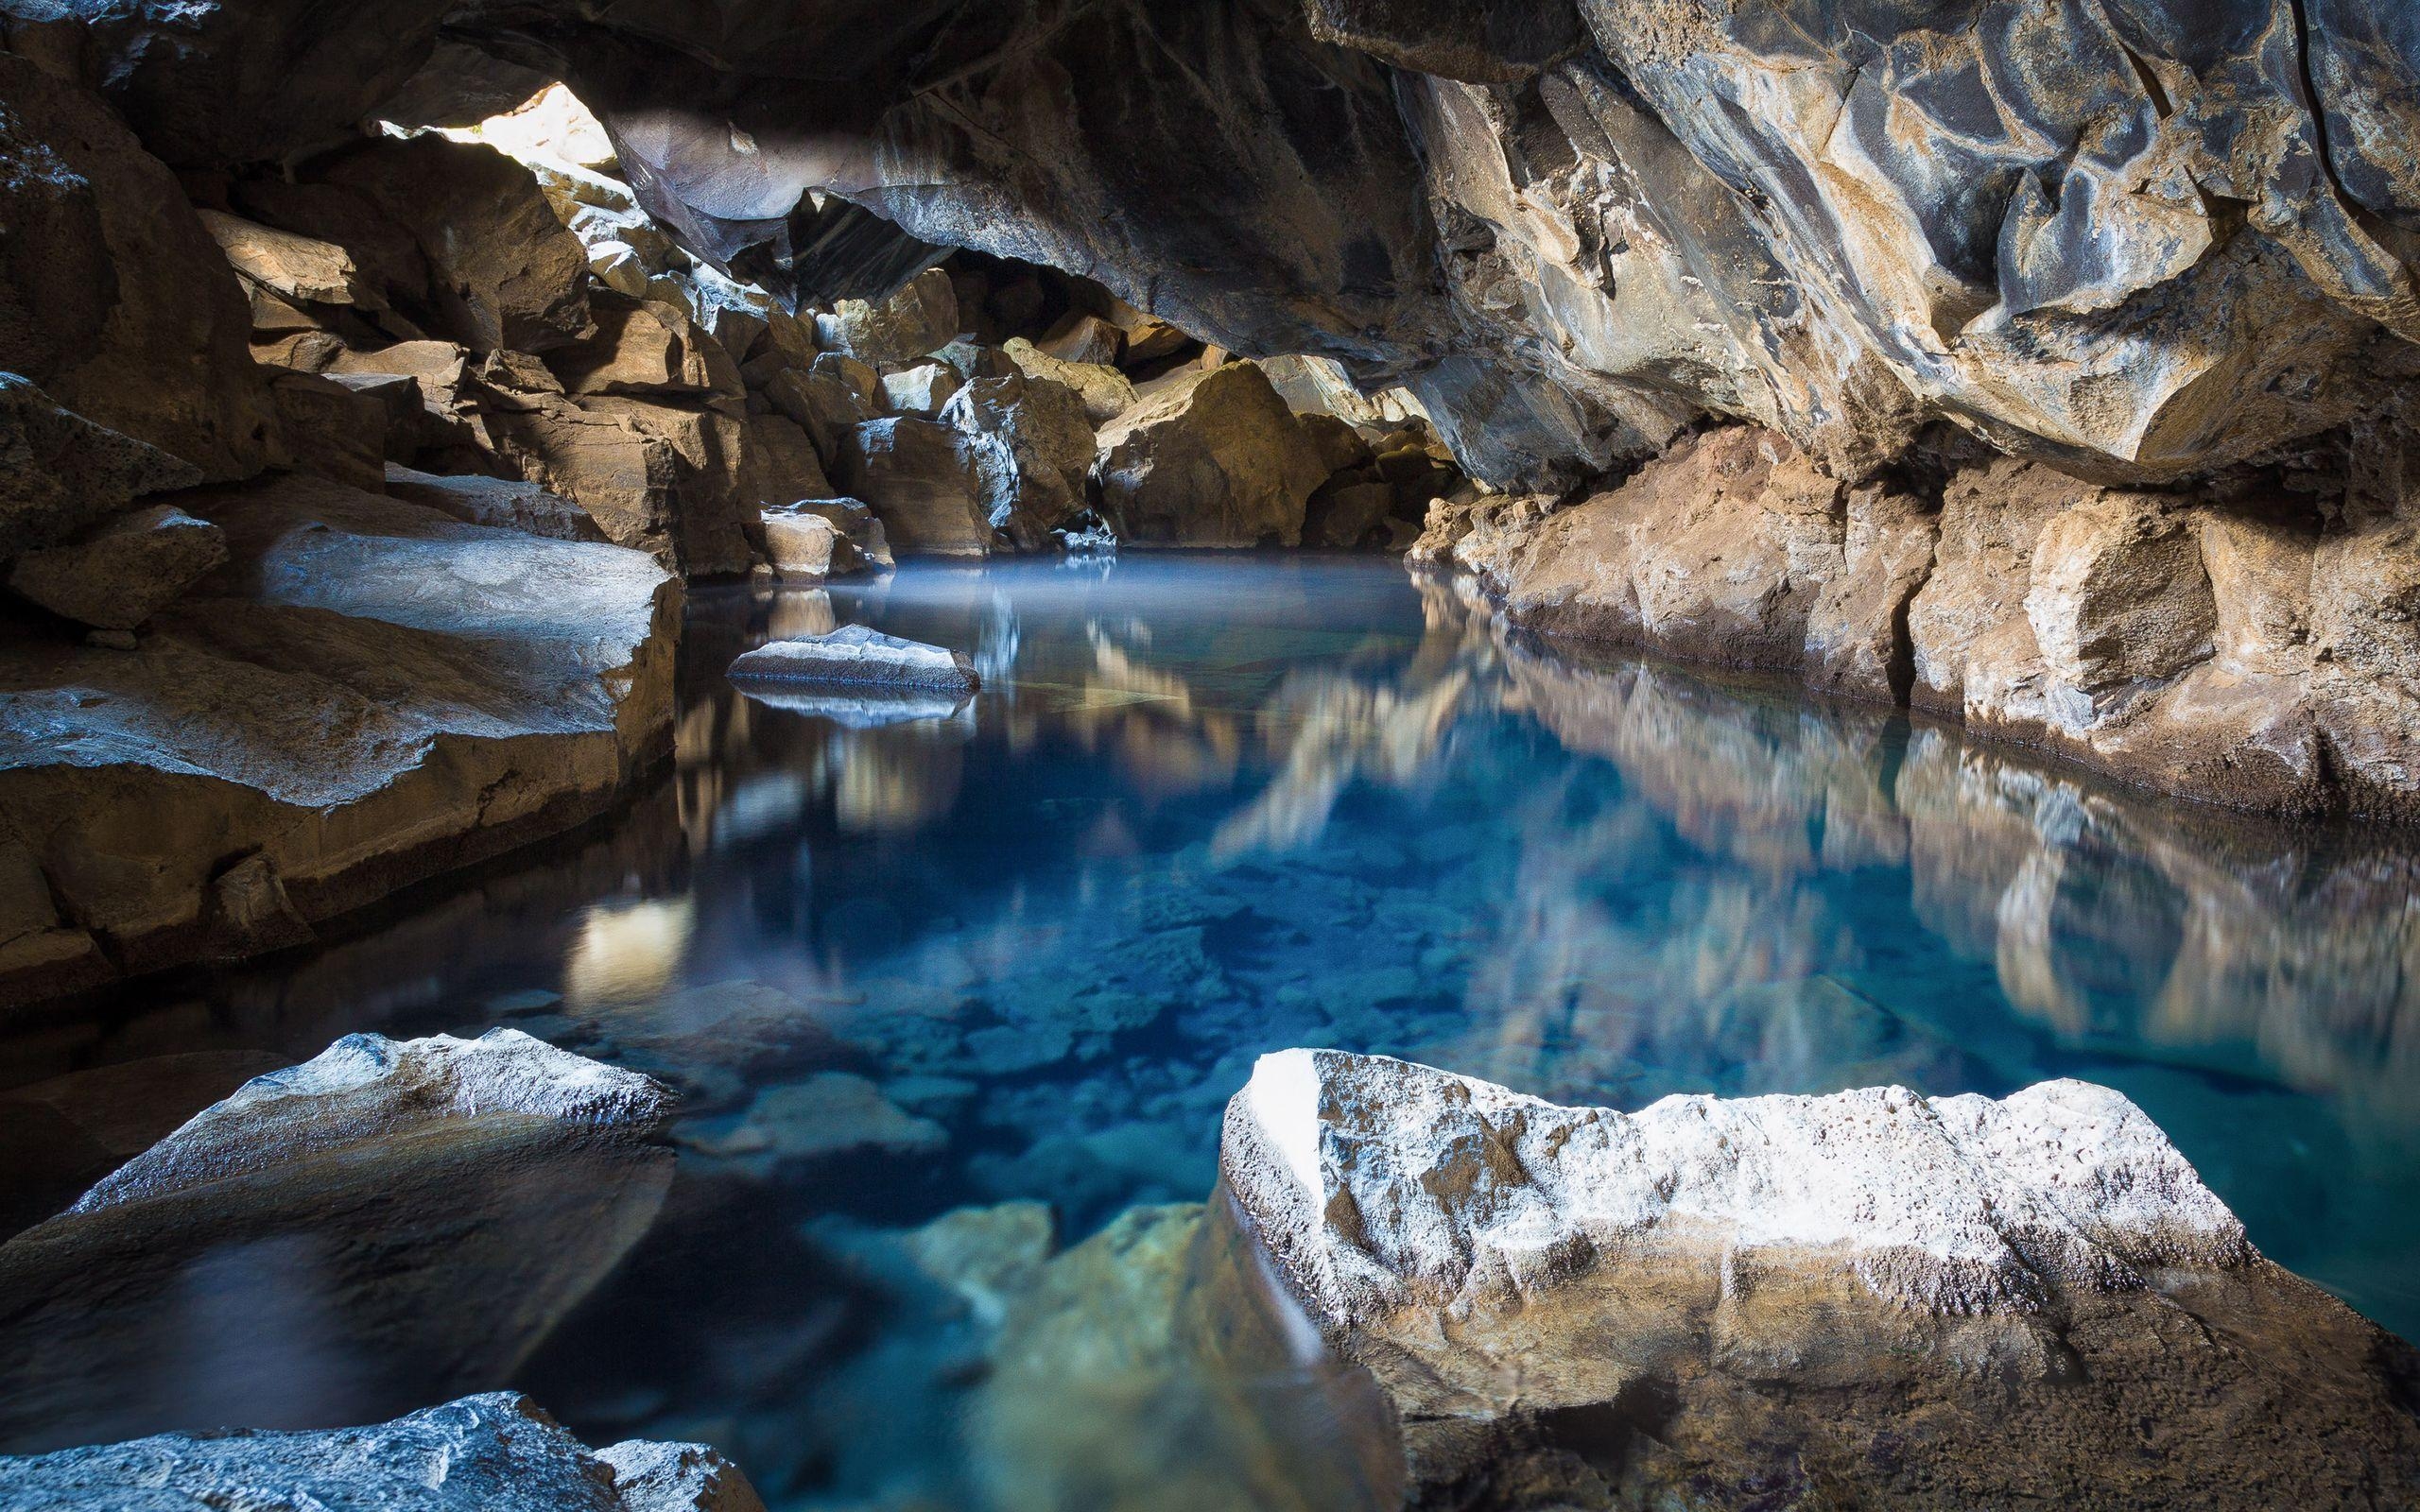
<point x="954" y="1004"/>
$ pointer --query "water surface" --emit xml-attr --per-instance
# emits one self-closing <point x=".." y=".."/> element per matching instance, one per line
<point x="949" y="997"/>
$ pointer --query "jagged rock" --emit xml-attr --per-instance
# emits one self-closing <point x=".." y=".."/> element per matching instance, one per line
<point x="1106" y="393"/>
<point x="921" y="390"/>
<point x="369" y="692"/>
<point x="459" y="1195"/>
<point x="1212" y="459"/>
<point x="928" y="482"/>
<point x="919" y="320"/>
<point x="826" y="402"/>
<point x="61" y="474"/>
<point x="1084" y="340"/>
<point x="644" y="347"/>
<point x="508" y="274"/>
<point x="1340" y="517"/>
<point x="1996" y="1286"/>
<point x="1051" y="446"/>
<point x="498" y="1452"/>
<point x="505" y="503"/>
<point x="334" y="428"/>
<point x="866" y="545"/>
<point x="1488" y="44"/>
<point x="782" y="463"/>
<point x="114" y="299"/>
<point x="662" y="477"/>
<point x="122" y="572"/>
<point x="855" y="656"/>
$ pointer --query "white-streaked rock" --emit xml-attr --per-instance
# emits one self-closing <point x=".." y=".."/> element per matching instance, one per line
<point x="497" y="1453"/>
<point x="855" y="656"/>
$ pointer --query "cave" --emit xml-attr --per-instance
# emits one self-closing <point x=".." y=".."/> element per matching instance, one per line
<point x="1243" y="755"/>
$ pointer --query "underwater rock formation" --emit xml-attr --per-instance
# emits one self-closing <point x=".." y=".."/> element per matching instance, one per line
<point x="1935" y="1302"/>
<point x="314" y="1241"/>
<point x="497" y="1453"/>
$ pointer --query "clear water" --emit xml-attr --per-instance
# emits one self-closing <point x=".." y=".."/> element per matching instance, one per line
<point x="997" y="972"/>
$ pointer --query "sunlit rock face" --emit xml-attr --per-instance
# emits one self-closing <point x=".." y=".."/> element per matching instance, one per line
<point x="367" y="692"/>
<point x="1871" y="1293"/>
<point x="305" y="1238"/>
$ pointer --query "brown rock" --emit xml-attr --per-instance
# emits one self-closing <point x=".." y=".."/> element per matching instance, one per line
<point x="1856" y="635"/>
<point x="1084" y="338"/>
<point x="1991" y="519"/>
<point x="921" y="390"/>
<point x="291" y="265"/>
<point x="1214" y="459"/>
<point x="120" y="574"/>
<point x="826" y="401"/>
<point x="2116" y="595"/>
<point x="928" y="483"/>
<point x="644" y="347"/>
<point x="334" y="428"/>
<point x="1107" y="393"/>
<point x="782" y="465"/>
<point x="507" y="272"/>
<point x="61" y="474"/>
<point x="114" y="299"/>
<point x="802" y="545"/>
<point x="663" y="478"/>
<point x="1050" y="445"/>
<point x="506" y="504"/>
<point x="921" y="319"/>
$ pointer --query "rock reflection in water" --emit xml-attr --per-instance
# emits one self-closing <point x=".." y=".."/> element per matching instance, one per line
<point x="954" y="1002"/>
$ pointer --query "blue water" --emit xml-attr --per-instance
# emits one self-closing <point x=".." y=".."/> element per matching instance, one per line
<point x="1002" y="969"/>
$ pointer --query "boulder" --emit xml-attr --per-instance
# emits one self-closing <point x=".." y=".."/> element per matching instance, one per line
<point x="1106" y="393"/>
<point x="289" y="266"/>
<point x="857" y="657"/>
<point x="508" y="273"/>
<point x="442" y="1204"/>
<point x="921" y="390"/>
<point x="864" y="545"/>
<point x="504" y="503"/>
<point x="498" y="1452"/>
<point x="120" y="574"/>
<point x="1212" y="459"/>
<point x="662" y="477"/>
<point x="801" y="544"/>
<point x="1992" y="1289"/>
<point x="920" y="318"/>
<point x="826" y="402"/>
<point x="1086" y="340"/>
<point x="369" y="692"/>
<point x="782" y="463"/>
<point x="336" y="429"/>
<point x="114" y="301"/>
<point x="61" y="474"/>
<point x="644" y="347"/>
<point x="1049" y="444"/>
<point x="929" y="484"/>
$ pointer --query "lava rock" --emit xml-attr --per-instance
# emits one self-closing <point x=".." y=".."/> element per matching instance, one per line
<point x="856" y="655"/>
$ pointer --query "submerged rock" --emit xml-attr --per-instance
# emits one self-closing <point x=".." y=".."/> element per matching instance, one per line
<point x="388" y="1222"/>
<point x="498" y="1452"/>
<point x="855" y="656"/>
<point x="1942" y="1302"/>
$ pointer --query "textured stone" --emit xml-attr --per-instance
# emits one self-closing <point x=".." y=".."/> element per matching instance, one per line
<point x="919" y="320"/>
<point x="370" y="691"/>
<point x="121" y="574"/>
<point x="295" y="267"/>
<point x="1998" y="1286"/>
<point x="506" y="503"/>
<point x="1049" y="443"/>
<point x="644" y="347"/>
<point x="61" y="474"/>
<point x="853" y="656"/>
<point x="921" y="390"/>
<point x="1212" y="459"/>
<point x="802" y="545"/>
<point x="928" y="483"/>
<point x="1106" y="393"/>
<point x="498" y="1452"/>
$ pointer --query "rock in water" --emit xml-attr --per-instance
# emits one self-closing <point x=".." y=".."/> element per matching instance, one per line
<point x="389" y="1222"/>
<point x="498" y="1452"/>
<point x="857" y="657"/>
<point x="1870" y="1297"/>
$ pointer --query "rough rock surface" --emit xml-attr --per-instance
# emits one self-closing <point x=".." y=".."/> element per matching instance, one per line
<point x="497" y="1453"/>
<point x="1624" y="1308"/>
<point x="1212" y="459"/>
<point x="496" y="1174"/>
<point x="855" y="656"/>
<point x="61" y="474"/>
<point x="368" y="693"/>
<point x="118" y="575"/>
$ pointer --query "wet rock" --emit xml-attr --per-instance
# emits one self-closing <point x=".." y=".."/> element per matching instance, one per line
<point x="508" y="274"/>
<point x="61" y="474"/>
<point x="1792" y="1277"/>
<point x="114" y="299"/>
<point x="121" y="574"/>
<point x="498" y="1452"/>
<point x="354" y="1201"/>
<point x="863" y="543"/>
<point x="505" y="503"/>
<point x="829" y="1114"/>
<point x="370" y="692"/>
<point x="855" y="656"/>
<point x="1106" y="393"/>
<point x="921" y="319"/>
<point x="1212" y="459"/>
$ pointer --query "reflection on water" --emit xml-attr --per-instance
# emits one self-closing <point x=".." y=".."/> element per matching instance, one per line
<point x="954" y="1002"/>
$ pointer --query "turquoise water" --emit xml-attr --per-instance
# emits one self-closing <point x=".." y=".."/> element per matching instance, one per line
<point x="950" y="996"/>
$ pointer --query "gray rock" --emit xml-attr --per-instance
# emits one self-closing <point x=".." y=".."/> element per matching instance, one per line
<point x="921" y="390"/>
<point x="506" y="503"/>
<point x="118" y="575"/>
<point x="498" y="1452"/>
<point x="1049" y="445"/>
<point x="1788" y="1277"/>
<point x="434" y="1206"/>
<point x="855" y="656"/>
